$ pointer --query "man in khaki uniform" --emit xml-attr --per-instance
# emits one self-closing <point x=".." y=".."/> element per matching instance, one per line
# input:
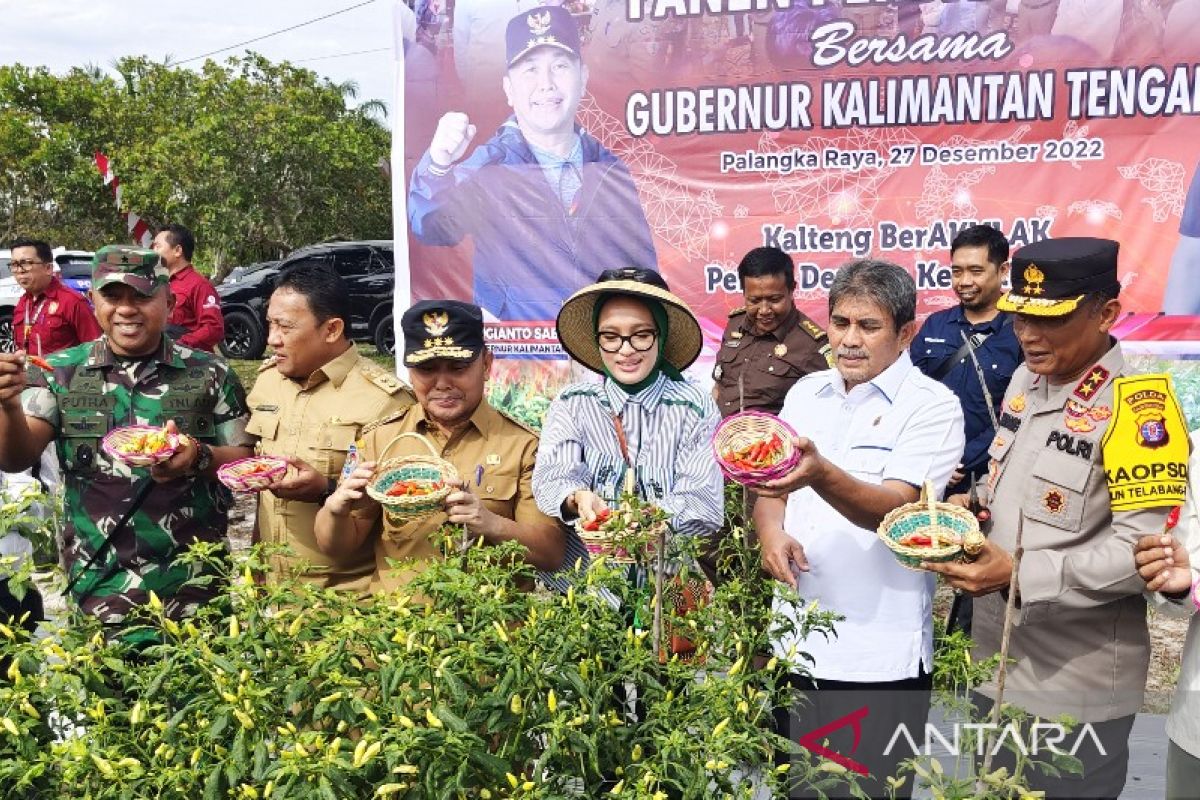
<point x="494" y="455"/>
<point x="1079" y="644"/>
<point x="308" y="405"/>
<point x="768" y="344"/>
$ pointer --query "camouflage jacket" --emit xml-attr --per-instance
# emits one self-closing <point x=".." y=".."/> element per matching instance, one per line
<point x="90" y="391"/>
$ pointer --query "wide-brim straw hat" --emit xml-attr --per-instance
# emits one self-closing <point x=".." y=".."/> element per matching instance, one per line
<point x="577" y="332"/>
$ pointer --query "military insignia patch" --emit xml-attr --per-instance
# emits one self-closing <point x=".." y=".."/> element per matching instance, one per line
<point x="492" y="460"/>
<point x="735" y="335"/>
<point x="1080" y="424"/>
<point x="1017" y="403"/>
<point x="1100" y="413"/>
<point x="1054" y="501"/>
<point x="1075" y="409"/>
<point x="539" y="23"/>
<point x="436" y="322"/>
<point x="718" y="372"/>
<point x="1091" y="384"/>
<point x="1145" y="444"/>
<point x="781" y="350"/>
<point x="1033" y="279"/>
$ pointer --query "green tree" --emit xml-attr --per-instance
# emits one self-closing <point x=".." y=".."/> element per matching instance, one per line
<point x="257" y="158"/>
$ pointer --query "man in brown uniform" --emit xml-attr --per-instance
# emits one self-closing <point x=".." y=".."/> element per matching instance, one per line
<point x="448" y="365"/>
<point x="309" y="404"/>
<point x="768" y="344"/>
<point x="1079" y="644"/>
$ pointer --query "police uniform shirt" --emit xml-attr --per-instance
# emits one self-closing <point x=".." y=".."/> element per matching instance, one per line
<point x="317" y="420"/>
<point x="768" y="364"/>
<point x="1080" y="645"/>
<point x="492" y="447"/>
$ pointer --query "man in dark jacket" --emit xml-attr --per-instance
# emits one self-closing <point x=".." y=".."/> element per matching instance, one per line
<point x="545" y="203"/>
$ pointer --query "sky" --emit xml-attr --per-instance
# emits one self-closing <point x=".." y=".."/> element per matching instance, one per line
<point x="60" y="34"/>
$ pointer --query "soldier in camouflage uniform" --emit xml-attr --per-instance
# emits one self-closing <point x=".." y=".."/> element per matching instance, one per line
<point x="133" y="374"/>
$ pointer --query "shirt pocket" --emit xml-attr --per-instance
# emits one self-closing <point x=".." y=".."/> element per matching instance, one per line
<point x="333" y="444"/>
<point x="499" y="494"/>
<point x="266" y="427"/>
<point x="869" y="457"/>
<point x="79" y="444"/>
<point x="1056" y="493"/>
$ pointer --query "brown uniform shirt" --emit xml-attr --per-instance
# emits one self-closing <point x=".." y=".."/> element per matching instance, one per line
<point x="769" y="364"/>
<point x="504" y="448"/>
<point x="317" y="420"/>
<point x="1080" y="645"/>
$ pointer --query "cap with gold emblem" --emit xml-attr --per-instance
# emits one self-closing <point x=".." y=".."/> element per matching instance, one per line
<point x="548" y="26"/>
<point x="441" y="329"/>
<point x="1050" y="277"/>
<point x="133" y="266"/>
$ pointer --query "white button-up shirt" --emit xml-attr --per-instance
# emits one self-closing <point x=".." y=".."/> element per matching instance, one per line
<point x="900" y="426"/>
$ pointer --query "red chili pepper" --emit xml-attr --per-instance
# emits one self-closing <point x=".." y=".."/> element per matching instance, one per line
<point x="38" y="361"/>
<point x="1172" y="518"/>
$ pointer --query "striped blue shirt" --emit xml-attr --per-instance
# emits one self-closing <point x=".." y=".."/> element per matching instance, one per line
<point x="668" y="428"/>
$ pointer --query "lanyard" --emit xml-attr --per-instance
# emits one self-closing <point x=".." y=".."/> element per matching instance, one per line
<point x="33" y="318"/>
<point x="623" y="443"/>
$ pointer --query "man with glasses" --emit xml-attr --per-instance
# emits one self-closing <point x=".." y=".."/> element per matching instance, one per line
<point x="542" y="200"/>
<point x="50" y="316"/>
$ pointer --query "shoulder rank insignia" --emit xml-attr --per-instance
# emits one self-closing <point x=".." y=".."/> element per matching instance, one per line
<point x="266" y="364"/>
<point x="827" y="351"/>
<point x="812" y="329"/>
<point x="377" y="423"/>
<point x="738" y="310"/>
<point x="1016" y="403"/>
<point x="1091" y="383"/>
<point x="381" y="377"/>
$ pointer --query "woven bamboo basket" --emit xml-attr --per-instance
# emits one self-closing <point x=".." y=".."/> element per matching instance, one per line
<point x="426" y="469"/>
<point x="738" y="431"/>
<point x="602" y="543"/>
<point x="953" y="531"/>
<point x="118" y="438"/>
<point x="252" y="474"/>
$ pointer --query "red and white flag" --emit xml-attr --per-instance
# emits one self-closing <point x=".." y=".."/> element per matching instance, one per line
<point x="138" y="229"/>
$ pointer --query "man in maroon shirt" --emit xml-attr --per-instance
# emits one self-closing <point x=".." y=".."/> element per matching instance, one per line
<point x="49" y="316"/>
<point x="196" y="321"/>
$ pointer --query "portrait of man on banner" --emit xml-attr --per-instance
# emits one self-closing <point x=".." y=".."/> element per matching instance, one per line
<point x="544" y="204"/>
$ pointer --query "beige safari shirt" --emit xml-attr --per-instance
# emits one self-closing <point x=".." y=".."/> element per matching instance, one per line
<point x="503" y="448"/>
<point x="317" y="420"/>
<point x="1080" y="644"/>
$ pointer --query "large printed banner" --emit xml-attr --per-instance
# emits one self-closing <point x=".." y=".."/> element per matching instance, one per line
<point x="834" y="130"/>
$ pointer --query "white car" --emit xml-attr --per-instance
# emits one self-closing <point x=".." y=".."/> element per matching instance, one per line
<point x="10" y="292"/>
<point x="73" y="265"/>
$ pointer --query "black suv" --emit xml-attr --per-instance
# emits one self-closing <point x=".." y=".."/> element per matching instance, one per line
<point x="367" y="267"/>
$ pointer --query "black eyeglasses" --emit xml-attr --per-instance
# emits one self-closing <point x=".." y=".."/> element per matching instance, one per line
<point x="24" y="265"/>
<point x="613" y="342"/>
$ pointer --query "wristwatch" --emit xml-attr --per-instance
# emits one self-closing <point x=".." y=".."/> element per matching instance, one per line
<point x="203" y="456"/>
<point x="330" y="487"/>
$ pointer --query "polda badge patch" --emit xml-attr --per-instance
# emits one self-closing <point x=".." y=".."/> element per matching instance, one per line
<point x="1146" y="444"/>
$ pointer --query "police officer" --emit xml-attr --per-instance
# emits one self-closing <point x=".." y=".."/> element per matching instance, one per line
<point x="133" y="374"/>
<point x="448" y="365"/>
<point x="769" y="344"/>
<point x="309" y="404"/>
<point x="1079" y="643"/>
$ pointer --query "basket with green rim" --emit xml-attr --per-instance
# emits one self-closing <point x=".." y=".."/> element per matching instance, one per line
<point x="413" y="486"/>
<point x="930" y="531"/>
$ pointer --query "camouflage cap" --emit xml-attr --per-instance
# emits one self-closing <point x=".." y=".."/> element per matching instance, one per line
<point x="135" y="266"/>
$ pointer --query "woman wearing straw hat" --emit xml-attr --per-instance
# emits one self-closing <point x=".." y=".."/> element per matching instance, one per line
<point x="643" y="418"/>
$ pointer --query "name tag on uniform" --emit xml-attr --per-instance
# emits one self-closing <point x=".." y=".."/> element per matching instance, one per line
<point x="267" y="408"/>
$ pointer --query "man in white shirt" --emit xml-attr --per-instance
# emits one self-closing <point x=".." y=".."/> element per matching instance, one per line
<point x="872" y="430"/>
